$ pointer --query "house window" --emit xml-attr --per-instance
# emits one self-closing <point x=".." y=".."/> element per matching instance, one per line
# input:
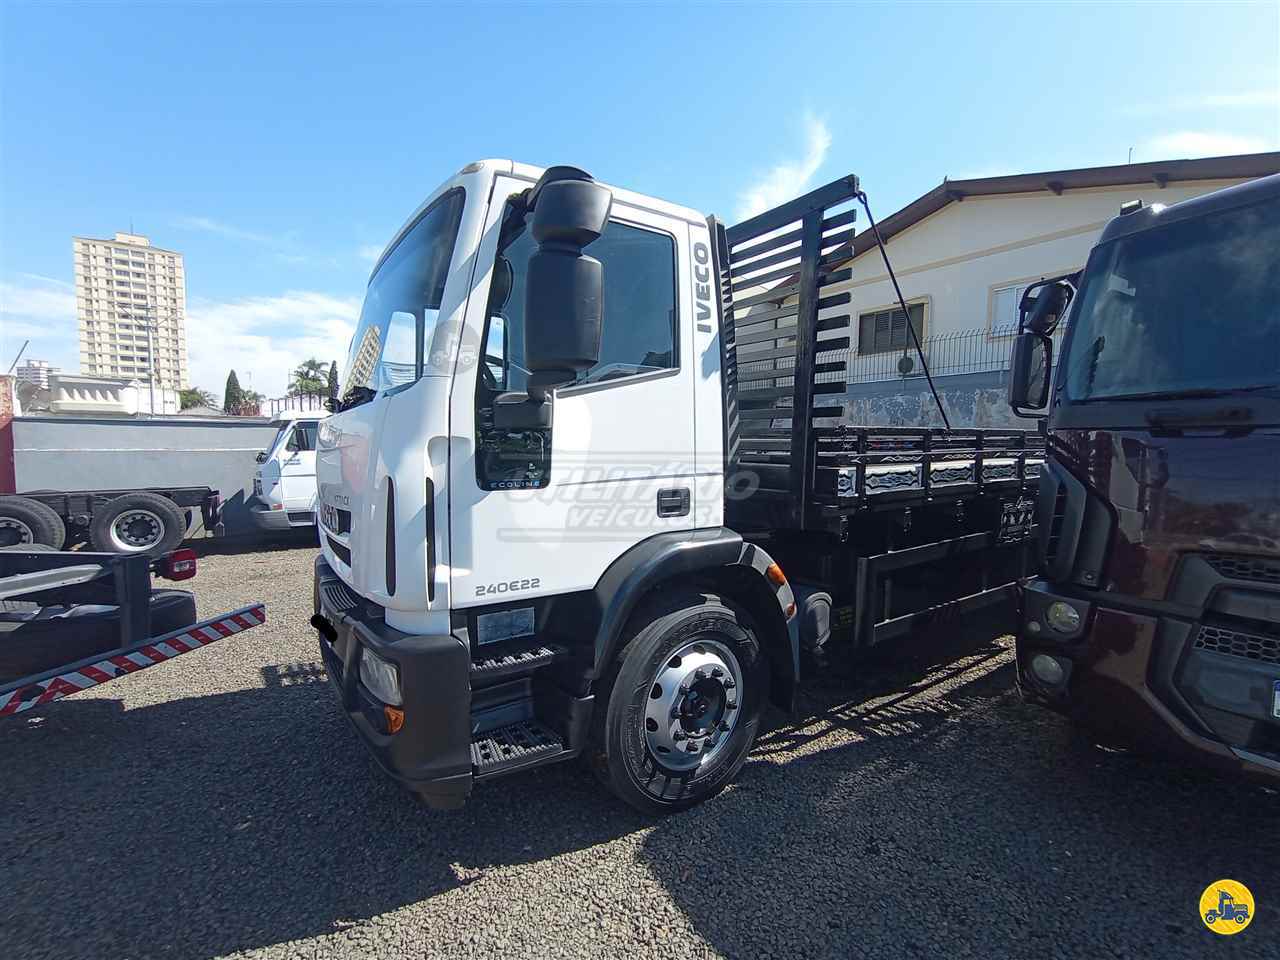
<point x="1004" y="309"/>
<point x="884" y="331"/>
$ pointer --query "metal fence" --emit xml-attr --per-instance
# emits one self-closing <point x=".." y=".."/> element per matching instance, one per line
<point x="948" y="354"/>
<point x="307" y="402"/>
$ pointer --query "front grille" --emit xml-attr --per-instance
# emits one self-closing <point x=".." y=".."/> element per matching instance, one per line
<point x="1235" y="644"/>
<point x="1055" y="525"/>
<point x="341" y="552"/>
<point x="1245" y="568"/>
<point x="301" y="516"/>
<point x="338" y="595"/>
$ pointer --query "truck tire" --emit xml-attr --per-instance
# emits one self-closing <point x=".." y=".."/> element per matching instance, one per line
<point x="138" y="523"/>
<point x="23" y="520"/>
<point x="681" y="707"/>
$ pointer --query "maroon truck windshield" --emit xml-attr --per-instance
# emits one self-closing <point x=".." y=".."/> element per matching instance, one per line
<point x="1186" y="308"/>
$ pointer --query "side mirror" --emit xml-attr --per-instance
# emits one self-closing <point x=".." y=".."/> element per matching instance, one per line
<point x="1042" y="312"/>
<point x="261" y="457"/>
<point x="1029" y="374"/>
<point x="564" y="294"/>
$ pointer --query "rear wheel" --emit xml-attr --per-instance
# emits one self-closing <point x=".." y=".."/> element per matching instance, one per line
<point x="138" y="523"/>
<point x="682" y="705"/>
<point x="26" y="521"/>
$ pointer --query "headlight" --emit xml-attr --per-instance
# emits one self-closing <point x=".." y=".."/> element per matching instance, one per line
<point x="1063" y="617"/>
<point x="380" y="678"/>
<point x="1048" y="669"/>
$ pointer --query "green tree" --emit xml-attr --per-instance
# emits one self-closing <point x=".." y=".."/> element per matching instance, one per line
<point x="195" y="397"/>
<point x="333" y="378"/>
<point x="309" y="377"/>
<point x="232" y="395"/>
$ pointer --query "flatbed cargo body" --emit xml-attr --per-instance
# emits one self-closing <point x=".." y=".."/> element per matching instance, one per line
<point x="649" y="514"/>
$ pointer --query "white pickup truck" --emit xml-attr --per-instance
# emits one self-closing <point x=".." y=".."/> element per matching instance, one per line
<point x="284" y="485"/>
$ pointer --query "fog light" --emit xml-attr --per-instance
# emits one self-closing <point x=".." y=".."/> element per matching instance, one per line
<point x="394" y="717"/>
<point x="1063" y="617"/>
<point x="1048" y="669"/>
<point x="380" y="678"/>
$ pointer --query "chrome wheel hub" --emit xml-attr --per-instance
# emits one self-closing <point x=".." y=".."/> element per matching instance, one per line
<point x="14" y="531"/>
<point x="136" y="530"/>
<point x="692" y="707"/>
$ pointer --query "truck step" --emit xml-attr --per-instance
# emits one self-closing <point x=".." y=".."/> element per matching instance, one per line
<point x="517" y="662"/>
<point x="519" y="745"/>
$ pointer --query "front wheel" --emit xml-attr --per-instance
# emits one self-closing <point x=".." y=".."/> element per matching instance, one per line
<point x="682" y="705"/>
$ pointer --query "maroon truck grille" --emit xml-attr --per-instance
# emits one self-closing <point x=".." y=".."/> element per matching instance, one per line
<point x="1235" y="644"/>
<point x="1245" y="568"/>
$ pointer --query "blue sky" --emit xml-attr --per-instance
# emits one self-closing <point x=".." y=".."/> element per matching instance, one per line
<point x="278" y="147"/>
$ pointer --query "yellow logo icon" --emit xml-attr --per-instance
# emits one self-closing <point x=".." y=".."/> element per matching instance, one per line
<point x="1226" y="907"/>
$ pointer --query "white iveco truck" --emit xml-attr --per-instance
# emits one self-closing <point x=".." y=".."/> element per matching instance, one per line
<point x="585" y="491"/>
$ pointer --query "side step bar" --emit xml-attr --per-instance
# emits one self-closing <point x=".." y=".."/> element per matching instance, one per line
<point x="518" y="662"/>
<point x="524" y="744"/>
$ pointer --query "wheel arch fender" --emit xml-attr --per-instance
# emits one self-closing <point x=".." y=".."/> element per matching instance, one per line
<point x="718" y="555"/>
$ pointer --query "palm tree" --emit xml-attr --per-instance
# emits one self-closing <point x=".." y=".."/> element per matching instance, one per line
<point x="309" y="377"/>
<point x="195" y="397"/>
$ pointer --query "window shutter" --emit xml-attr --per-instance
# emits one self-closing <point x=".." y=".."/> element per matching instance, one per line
<point x="886" y="330"/>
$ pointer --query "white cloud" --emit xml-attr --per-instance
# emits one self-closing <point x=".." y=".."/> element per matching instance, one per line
<point x="1200" y="143"/>
<point x="1207" y="101"/>
<point x="264" y="338"/>
<point x="787" y="180"/>
<point x="370" y="252"/>
<point x="261" y="338"/>
<point x="46" y="301"/>
<point x="42" y="310"/>
<point x="209" y="225"/>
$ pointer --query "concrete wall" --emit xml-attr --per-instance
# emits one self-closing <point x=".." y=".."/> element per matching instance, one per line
<point x="58" y="453"/>
<point x="972" y="400"/>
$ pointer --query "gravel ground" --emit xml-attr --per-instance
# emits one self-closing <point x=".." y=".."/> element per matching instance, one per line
<point x="220" y="805"/>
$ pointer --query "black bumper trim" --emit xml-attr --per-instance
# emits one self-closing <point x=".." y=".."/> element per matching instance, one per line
<point x="431" y="755"/>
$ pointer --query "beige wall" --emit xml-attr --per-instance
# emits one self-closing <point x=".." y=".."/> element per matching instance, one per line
<point x="954" y="259"/>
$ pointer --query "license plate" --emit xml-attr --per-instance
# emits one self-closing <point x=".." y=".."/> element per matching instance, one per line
<point x="1016" y="519"/>
<point x="1275" y="701"/>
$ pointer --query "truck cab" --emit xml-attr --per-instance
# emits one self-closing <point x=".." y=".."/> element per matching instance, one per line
<point x="284" y="485"/>
<point x="1156" y="615"/>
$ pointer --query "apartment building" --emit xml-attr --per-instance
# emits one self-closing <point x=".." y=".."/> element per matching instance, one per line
<point x="131" y="303"/>
<point x="36" y="372"/>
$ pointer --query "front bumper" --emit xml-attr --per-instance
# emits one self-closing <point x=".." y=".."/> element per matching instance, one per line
<point x="272" y="521"/>
<point x="1134" y="678"/>
<point x="431" y="754"/>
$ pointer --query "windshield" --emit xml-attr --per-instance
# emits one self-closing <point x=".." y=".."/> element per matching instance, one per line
<point x="1192" y="307"/>
<point x="402" y="305"/>
<point x="301" y="432"/>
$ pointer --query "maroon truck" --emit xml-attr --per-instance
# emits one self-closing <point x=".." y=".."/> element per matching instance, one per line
<point x="1156" y="616"/>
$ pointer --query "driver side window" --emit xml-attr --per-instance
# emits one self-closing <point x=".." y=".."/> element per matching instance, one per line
<point x="639" y="334"/>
